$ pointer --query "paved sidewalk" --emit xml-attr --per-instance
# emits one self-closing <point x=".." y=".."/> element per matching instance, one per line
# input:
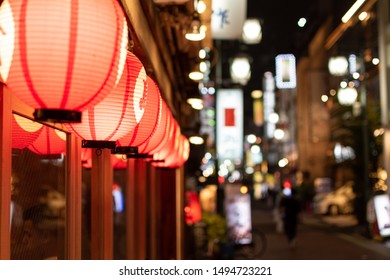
<point x="319" y="238"/>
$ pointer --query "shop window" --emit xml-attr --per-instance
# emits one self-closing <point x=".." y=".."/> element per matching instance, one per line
<point x="38" y="202"/>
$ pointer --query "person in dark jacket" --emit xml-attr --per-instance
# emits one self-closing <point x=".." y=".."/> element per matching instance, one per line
<point x="290" y="207"/>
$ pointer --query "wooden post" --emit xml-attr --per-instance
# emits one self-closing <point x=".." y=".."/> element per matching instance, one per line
<point x="179" y="183"/>
<point x="73" y="190"/>
<point x="102" y="205"/>
<point x="5" y="172"/>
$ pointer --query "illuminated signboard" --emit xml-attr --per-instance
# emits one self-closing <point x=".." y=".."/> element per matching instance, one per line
<point x="382" y="211"/>
<point x="238" y="215"/>
<point x="269" y="103"/>
<point x="230" y="126"/>
<point x="285" y="71"/>
<point x="227" y="19"/>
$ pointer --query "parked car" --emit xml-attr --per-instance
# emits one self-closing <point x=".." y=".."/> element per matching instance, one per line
<point x="336" y="202"/>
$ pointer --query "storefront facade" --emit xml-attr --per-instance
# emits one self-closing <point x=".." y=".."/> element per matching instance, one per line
<point x="56" y="204"/>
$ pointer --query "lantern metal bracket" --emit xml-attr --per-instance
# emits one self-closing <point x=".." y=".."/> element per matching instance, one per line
<point x="139" y="156"/>
<point x="156" y="160"/>
<point x="98" y="144"/>
<point x="124" y="150"/>
<point x="57" y="115"/>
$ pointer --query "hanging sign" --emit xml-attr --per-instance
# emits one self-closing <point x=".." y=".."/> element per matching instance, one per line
<point x="285" y="71"/>
<point x="227" y="19"/>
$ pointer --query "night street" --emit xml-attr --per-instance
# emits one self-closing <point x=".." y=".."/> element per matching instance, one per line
<point x="317" y="239"/>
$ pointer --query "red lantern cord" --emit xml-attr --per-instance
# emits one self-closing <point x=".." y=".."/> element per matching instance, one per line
<point x="62" y="65"/>
<point x="121" y="110"/>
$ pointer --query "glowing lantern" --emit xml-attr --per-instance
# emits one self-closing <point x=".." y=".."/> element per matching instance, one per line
<point x="171" y="143"/>
<point x="144" y="130"/>
<point x="51" y="142"/>
<point x="182" y="153"/>
<point x="172" y="159"/>
<point x="120" y="111"/>
<point x="176" y="151"/>
<point x="186" y="150"/>
<point x="169" y="132"/>
<point x="158" y="137"/>
<point x="61" y="57"/>
<point x="192" y="211"/>
<point x="24" y="131"/>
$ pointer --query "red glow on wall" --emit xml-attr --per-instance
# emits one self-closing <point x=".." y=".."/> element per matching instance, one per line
<point x="175" y="153"/>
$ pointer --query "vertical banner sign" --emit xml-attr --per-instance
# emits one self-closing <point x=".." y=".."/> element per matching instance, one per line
<point x="269" y="102"/>
<point x="227" y="19"/>
<point x="230" y="124"/>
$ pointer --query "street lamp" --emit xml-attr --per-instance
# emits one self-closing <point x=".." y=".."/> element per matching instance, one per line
<point x="240" y="69"/>
<point x="338" y="66"/>
<point x="347" y="96"/>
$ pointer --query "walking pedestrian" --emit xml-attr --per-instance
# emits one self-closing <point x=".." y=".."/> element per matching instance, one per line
<point x="290" y="207"/>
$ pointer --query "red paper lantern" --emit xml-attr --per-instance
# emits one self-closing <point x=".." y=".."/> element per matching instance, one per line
<point x="159" y="136"/>
<point x="171" y="143"/>
<point x="175" y="153"/>
<point x="178" y="156"/>
<point x="176" y="159"/>
<point x="24" y="131"/>
<point x="186" y="150"/>
<point x="144" y="130"/>
<point x="62" y="56"/>
<point x="50" y="142"/>
<point x="120" y="111"/>
<point x="192" y="210"/>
